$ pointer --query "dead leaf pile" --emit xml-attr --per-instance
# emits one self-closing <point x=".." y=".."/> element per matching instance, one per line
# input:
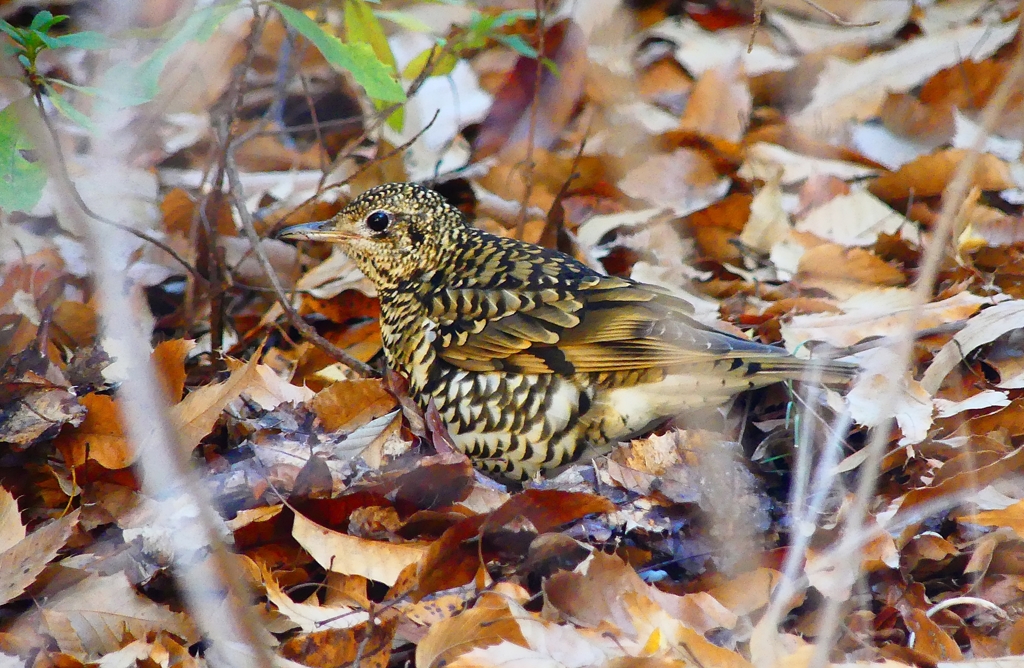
<point x="794" y="178"/>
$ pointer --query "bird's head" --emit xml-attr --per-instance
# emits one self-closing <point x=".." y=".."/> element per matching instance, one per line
<point x="393" y="232"/>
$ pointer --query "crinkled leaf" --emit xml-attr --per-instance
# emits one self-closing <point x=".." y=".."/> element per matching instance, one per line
<point x="358" y="59"/>
<point x="21" y="181"/>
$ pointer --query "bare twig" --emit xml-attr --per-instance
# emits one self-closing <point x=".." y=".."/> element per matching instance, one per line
<point x="839" y="20"/>
<point x="755" y="24"/>
<point x="64" y="176"/>
<point x="237" y="191"/>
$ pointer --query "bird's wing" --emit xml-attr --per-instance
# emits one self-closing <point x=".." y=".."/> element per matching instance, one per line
<point x="599" y="325"/>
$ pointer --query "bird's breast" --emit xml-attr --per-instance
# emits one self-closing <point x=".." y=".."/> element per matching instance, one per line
<point x="409" y="336"/>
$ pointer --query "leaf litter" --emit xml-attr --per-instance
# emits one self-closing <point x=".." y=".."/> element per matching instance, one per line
<point x="791" y="191"/>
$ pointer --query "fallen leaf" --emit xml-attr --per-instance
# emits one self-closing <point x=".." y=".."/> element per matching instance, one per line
<point x="93" y="617"/>
<point x="1011" y="517"/>
<point x="350" y="555"/>
<point x="928" y="176"/>
<point x="23" y="561"/>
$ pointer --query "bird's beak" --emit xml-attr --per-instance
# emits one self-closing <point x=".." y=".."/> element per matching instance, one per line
<point x="324" y="230"/>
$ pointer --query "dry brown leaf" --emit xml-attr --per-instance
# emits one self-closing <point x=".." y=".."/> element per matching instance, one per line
<point x="99" y="437"/>
<point x="350" y="555"/>
<point x="683" y="181"/>
<point x="981" y="329"/>
<point x="905" y="115"/>
<point x="160" y="649"/>
<point x="309" y="616"/>
<point x="874" y="400"/>
<point x="719" y="104"/>
<point x="866" y="23"/>
<point x="349" y="404"/>
<point x="955" y="486"/>
<point x="747" y="592"/>
<point x="831" y="261"/>
<point x="12" y="530"/>
<point x="100" y="614"/>
<point x="854" y="91"/>
<point x="930" y="639"/>
<point x="366" y="645"/>
<point x="928" y="176"/>
<point x="763" y="159"/>
<point x="695" y="647"/>
<point x="854" y="219"/>
<point x="169" y="359"/>
<point x="489" y="623"/>
<point x="768" y="223"/>
<point x="1011" y="517"/>
<point x="665" y="84"/>
<point x="593" y="594"/>
<point x="269" y="390"/>
<point x="194" y="417"/>
<point x="23" y="561"/>
<point x="875" y="313"/>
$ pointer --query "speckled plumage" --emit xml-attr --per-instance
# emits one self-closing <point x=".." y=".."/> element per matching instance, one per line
<point x="529" y="355"/>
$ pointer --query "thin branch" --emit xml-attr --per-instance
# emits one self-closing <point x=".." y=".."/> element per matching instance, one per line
<point x="237" y="194"/>
<point x="65" y="176"/>
<point x="839" y="20"/>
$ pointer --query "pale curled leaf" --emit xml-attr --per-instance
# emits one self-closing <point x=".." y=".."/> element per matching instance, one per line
<point x="351" y="555"/>
<point x="310" y="616"/>
<point x="91" y="618"/>
<point x="24" y="561"/>
<point x="984" y="328"/>
<point x="877" y="397"/>
<point x="12" y="530"/>
<point x="194" y="417"/>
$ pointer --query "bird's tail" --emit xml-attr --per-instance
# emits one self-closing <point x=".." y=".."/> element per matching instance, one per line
<point x="772" y="368"/>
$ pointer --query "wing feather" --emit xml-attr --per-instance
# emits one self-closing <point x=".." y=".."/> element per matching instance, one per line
<point x="607" y="324"/>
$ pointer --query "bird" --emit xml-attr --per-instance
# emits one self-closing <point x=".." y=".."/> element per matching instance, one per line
<point x="529" y="356"/>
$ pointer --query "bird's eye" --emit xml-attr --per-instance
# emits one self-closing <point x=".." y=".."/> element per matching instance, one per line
<point x="378" y="221"/>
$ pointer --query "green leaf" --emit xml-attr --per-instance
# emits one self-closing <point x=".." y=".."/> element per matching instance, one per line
<point x="442" y="63"/>
<point x="517" y="44"/>
<point x="16" y="34"/>
<point x="362" y="26"/>
<point x="137" y="84"/>
<point x="358" y="59"/>
<point x="45" y="20"/>
<point x="513" y="15"/>
<point x="21" y="181"/>
<point x="68" y="111"/>
<point x="87" y="40"/>
<point x="88" y="90"/>
<point x="403" y="20"/>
